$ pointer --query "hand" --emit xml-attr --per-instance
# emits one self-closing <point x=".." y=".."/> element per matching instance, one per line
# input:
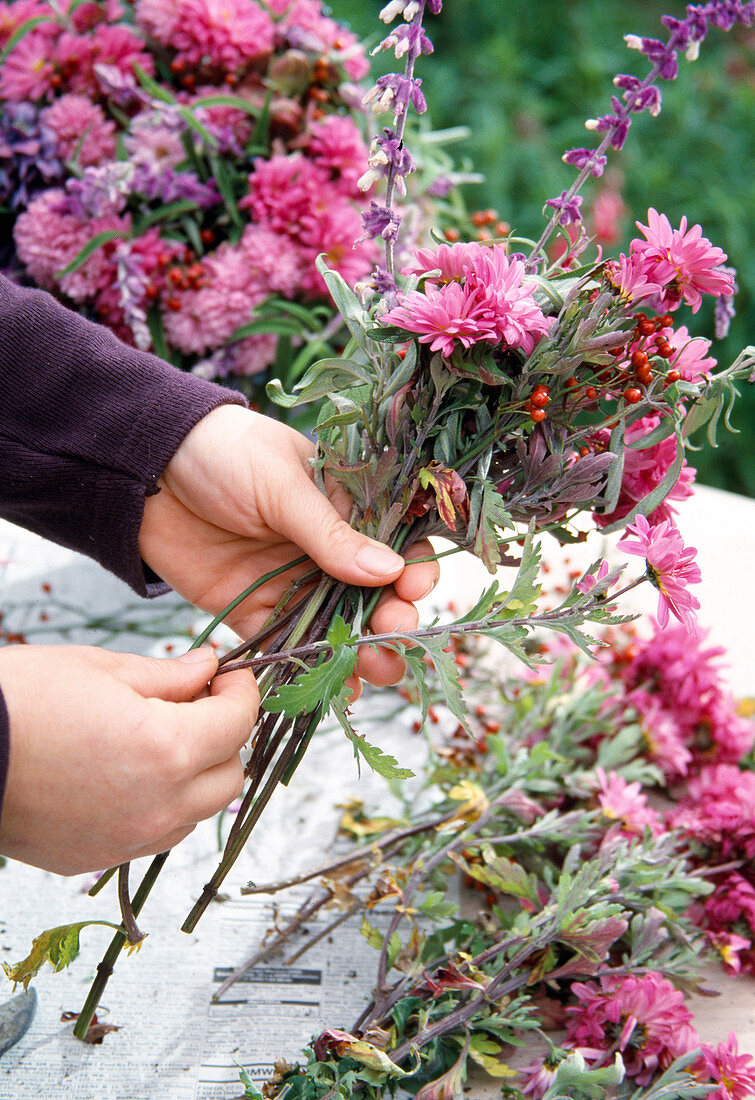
<point x="238" y="500"/>
<point x="114" y="756"/>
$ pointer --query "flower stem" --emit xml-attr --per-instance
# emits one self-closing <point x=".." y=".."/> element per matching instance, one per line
<point x="105" y="968"/>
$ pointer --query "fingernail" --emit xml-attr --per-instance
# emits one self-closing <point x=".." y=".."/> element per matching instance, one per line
<point x="377" y="559"/>
<point x="427" y="591"/>
<point x="194" y="656"/>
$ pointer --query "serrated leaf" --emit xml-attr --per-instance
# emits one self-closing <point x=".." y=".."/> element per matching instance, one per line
<point x="57" y="946"/>
<point x="483" y="1051"/>
<point x="381" y="762"/>
<point x="485" y="604"/>
<point x="493" y="516"/>
<point x="415" y="661"/>
<point x="525" y="591"/>
<point x="436" y="907"/>
<point x="371" y="934"/>
<point x="317" y="687"/>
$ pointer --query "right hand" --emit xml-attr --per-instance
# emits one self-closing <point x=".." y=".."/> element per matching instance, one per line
<point x="115" y="756"/>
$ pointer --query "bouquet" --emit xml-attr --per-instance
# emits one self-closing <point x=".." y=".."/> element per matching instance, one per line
<point x="490" y="393"/>
<point x="174" y="169"/>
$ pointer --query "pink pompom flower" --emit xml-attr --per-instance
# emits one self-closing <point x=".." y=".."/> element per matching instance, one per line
<point x="648" y="1015"/>
<point x="81" y="130"/>
<point x="670" y="568"/>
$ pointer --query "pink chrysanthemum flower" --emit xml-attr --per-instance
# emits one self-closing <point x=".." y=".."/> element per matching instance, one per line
<point x="731" y="909"/>
<point x="539" y="1076"/>
<point x="664" y="739"/>
<point x="334" y="229"/>
<point x="670" y="568"/>
<point x="719" y="810"/>
<point x="157" y="18"/>
<point x="14" y="13"/>
<point x="206" y="318"/>
<point x="225" y="34"/>
<point x="48" y="239"/>
<point x="683" y="261"/>
<point x="731" y="947"/>
<point x="283" y="192"/>
<point x="626" y="804"/>
<point x="443" y="315"/>
<point x="27" y="72"/>
<point x="336" y="145"/>
<point x="644" y="470"/>
<point x="452" y="260"/>
<point x="645" y="1016"/>
<point x="589" y="581"/>
<point x="81" y="130"/>
<point x="117" y="45"/>
<point x="494" y="304"/>
<point x="724" y="1064"/>
<point x="519" y="321"/>
<point x="630" y="277"/>
<point x="684" y="679"/>
<point x="150" y="142"/>
<point x="272" y="259"/>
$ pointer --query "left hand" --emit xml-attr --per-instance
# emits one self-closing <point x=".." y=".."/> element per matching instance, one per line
<point x="238" y="500"/>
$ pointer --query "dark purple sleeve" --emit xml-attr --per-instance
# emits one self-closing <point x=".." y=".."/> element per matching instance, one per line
<point x="87" y="425"/>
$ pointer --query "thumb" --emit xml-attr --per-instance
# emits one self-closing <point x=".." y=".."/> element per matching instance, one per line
<point x="175" y="680"/>
<point x="310" y="521"/>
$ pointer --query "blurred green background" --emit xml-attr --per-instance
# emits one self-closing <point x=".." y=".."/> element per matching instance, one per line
<point x="523" y="75"/>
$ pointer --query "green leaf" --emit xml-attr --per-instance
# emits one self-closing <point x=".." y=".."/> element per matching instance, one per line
<point x="56" y="946"/>
<point x="525" y="591"/>
<point x="317" y="687"/>
<point x="164" y="213"/>
<point x="155" y="90"/>
<point x="493" y="516"/>
<point x="226" y="101"/>
<point x="649" y="503"/>
<point x="436" y="907"/>
<point x="90" y="247"/>
<point x="380" y="762"/>
<point x="393" y="950"/>
<point x="371" y="934"/>
<point x="224" y="181"/>
<point x="323" y="378"/>
<point x="347" y="303"/>
<point x="573" y="1079"/>
<point x="616" y="469"/>
<point x="265" y="324"/>
<point x="251" y="1092"/>
<point x="20" y="33"/>
<point x="155" y="324"/>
